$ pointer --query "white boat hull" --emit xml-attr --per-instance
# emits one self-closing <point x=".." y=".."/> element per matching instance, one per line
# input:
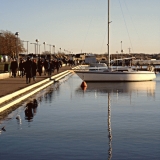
<point x="100" y="76"/>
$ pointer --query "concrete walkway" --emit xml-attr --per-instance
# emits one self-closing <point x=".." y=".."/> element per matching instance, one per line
<point x="10" y="85"/>
<point x="14" y="90"/>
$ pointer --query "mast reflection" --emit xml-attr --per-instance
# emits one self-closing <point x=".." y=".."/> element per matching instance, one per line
<point x="118" y="88"/>
<point x="109" y="129"/>
<point x="109" y="125"/>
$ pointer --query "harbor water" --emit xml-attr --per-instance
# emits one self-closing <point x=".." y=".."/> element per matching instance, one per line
<point x="116" y="121"/>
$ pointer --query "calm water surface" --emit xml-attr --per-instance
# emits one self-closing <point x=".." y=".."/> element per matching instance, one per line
<point x="117" y="121"/>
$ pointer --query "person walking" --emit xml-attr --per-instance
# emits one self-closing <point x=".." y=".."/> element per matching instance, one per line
<point x="45" y="66"/>
<point x="57" y="65"/>
<point x="34" y="69"/>
<point x="60" y="63"/>
<point x="14" y="67"/>
<point x="40" y="65"/>
<point x="21" y="68"/>
<point x="53" y="65"/>
<point x="28" y="70"/>
<point x="50" y="68"/>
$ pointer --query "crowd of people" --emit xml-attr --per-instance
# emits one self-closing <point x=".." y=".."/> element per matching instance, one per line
<point x="30" y="67"/>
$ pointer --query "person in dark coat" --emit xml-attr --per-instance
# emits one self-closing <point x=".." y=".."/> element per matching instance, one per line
<point x="57" y="65"/>
<point x="60" y="63"/>
<point x="45" y="66"/>
<point x="34" y="69"/>
<point x="28" y="70"/>
<point x="21" y="68"/>
<point x="50" y="68"/>
<point x="14" y="67"/>
<point x="40" y="65"/>
<point x="53" y="65"/>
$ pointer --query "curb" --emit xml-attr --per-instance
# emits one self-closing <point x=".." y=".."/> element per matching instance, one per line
<point x="41" y="85"/>
<point x="4" y="75"/>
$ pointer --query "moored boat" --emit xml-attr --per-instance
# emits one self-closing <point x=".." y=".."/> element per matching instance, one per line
<point x="105" y="75"/>
<point x="109" y="74"/>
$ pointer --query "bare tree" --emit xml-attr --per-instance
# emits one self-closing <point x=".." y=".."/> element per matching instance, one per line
<point x="10" y="44"/>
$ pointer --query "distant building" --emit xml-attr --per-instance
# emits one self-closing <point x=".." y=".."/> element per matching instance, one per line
<point x="90" y="59"/>
<point x="80" y="56"/>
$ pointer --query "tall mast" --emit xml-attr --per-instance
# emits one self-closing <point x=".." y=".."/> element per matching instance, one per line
<point x="108" y="37"/>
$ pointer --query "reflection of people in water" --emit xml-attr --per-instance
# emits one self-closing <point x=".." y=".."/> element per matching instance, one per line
<point x="31" y="109"/>
<point x="35" y="105"/>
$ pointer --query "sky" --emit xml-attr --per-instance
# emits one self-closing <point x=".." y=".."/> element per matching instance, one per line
<point x="80" y="26"/>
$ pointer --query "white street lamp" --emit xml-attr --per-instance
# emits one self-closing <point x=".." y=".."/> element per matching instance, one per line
<point x="121" y="47"/>
<point x="50" y="49"/>
<point x="27" y="45"/>
<point x="44" y="47"/>
<point x="34" y="46"/>
<point x="17" y="33"/>
<point x="39" y="48"/>
<point x="53" y="49"/>
<point x="37" y="40"/>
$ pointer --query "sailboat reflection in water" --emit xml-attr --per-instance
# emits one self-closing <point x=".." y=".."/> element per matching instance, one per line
<point x="119" y="88"/>
<point x="31" y="109"/>
<point x="123" y="87"/>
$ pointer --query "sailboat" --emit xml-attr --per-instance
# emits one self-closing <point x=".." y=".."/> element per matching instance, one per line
<point x="114" y="74"/>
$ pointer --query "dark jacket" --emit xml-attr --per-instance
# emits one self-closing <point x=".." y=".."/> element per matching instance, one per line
<point x="21" y="66"/>
<point x="34" y="68"/>
<point x="40" y="65"/>
<point x="28" y="68"/>
<point x="14" y="65"/>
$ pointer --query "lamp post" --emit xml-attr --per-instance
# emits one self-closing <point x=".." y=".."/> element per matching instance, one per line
<point x="27" y="46"/>
<point x="53" y="49"/>
<point x="121" y="47"/>
<point x="50" y="49"/>
<point x="0" y="42"/>
<point x="50" y="46"/>
<point x="34" y="46"/>
<point x="117" y="57"/>
<point x="129" y="50"/>
<point x="44" y="47"/>
<point x="39" y="48"/>
<point x="121" y="50"/>
<point x="37" y="45"/>
<point x="17" y="33"/>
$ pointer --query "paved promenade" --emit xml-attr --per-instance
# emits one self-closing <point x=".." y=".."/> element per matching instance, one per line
<point x="10" y="85"/>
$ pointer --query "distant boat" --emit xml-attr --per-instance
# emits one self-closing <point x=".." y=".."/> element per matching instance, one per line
<point x="97" y="65"/>
<point x="116" y="74"/>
